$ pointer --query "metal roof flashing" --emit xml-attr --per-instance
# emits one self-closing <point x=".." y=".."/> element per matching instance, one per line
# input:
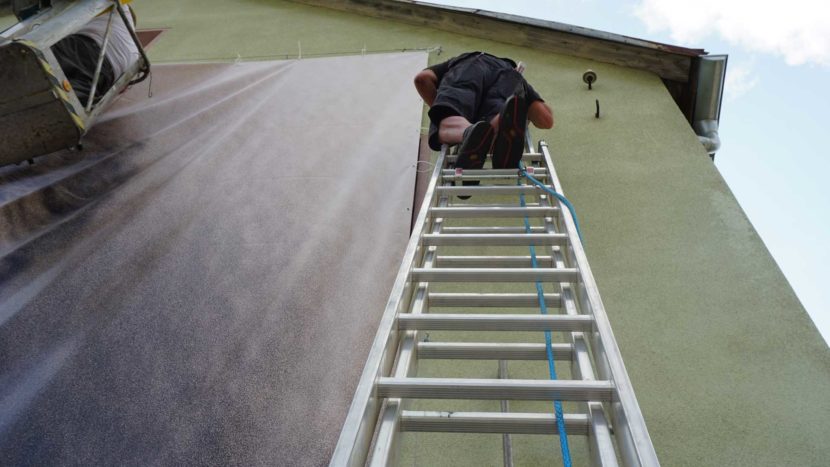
<point x="567" y="28"/>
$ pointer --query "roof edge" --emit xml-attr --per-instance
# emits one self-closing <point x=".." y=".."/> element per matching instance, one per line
<point x="676" y="66"/>
<point x="566" y="28"/>
<point x="669" y="62"/>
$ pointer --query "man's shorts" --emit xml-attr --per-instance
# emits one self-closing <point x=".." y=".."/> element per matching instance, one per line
<point x="475" y="89"/>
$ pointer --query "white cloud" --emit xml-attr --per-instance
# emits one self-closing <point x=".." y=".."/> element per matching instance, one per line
<point x="740" y="79"/>
<point x="798" y="30"/>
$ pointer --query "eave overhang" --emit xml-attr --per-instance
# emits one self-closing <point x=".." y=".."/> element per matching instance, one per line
<point x="676" y="66"/>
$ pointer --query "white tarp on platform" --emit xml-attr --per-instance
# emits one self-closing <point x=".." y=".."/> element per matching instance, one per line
<point x="202" y="283"/>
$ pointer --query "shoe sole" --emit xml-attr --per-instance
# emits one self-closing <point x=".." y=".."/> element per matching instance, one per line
<point x="510" y="141"/>
<point x="474" y="150"/>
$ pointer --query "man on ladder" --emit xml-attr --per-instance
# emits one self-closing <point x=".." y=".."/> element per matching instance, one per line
<point x="482" y="102"/>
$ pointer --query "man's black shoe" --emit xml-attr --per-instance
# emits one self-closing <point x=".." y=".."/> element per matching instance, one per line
<point x="474" y="148"/>
<point x="510" y="140"/>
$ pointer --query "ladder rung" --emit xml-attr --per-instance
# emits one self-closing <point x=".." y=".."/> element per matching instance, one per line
<point x="493" y="211"/>
<point x="492" y="261"/>
<point x="450" y="173"/>
<point x="484" y="175"/>
<point x="492" y="422"/>
<point x="491" y="351"/>
<point x="495" y="239"/>
<point x="459" y="204"/>
<point x="498" y="389"/>
<point x="494" y="177"/>
<point x="507" y="300"/>
<point x="489" y="189"/>
<point x="494" y="322"/>
<point x="494" y="275"/>
<point x="489" y="230"/>
<point x="530" y="157"/>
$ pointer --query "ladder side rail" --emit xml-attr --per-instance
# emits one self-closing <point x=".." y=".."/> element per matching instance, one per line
<point x="358" y="428"/>
<point x="603" y="363"/>
<point x="622" y="432"/>
<point x="504" y="405"/>
<point x="602" y="452"/>
<point x="630" y="429"/>
<point x="385" y="449"/>
<point x="602" y="448"/>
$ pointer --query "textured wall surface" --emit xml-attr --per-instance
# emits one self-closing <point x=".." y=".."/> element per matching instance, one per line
<point x="728" y="367"/>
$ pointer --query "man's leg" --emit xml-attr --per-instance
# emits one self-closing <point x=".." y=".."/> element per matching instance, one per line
<point x="494" y="122"/>
<point x="476" y="142"/>
<point x="474" y="139"/>
<point x="451" y="130"/>
<point x="538" y="113"/>
<point x="511" y="121"/>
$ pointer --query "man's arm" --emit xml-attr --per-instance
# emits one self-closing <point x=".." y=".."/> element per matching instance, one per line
<point x="426" y="82"/>
<point x="538" y="112"/>
<point x="540" y="115"/>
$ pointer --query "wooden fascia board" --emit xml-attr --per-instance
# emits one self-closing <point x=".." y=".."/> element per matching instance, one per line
<point x="666" y="64"/>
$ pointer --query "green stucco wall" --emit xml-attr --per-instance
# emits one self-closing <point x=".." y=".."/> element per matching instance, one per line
<point x="728" y="368"/>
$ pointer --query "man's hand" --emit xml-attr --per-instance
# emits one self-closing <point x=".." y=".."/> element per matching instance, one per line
<point x="426" y="82"/>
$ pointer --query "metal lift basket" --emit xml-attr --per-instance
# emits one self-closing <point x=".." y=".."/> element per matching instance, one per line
<point x="39" y="111"/>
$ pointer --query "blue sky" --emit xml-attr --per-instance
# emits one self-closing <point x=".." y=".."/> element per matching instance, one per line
<point x="775" y="122"/>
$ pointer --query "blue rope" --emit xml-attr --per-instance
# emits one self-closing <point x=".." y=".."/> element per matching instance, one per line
<point x="523" y="173"/>
<point x="540" y="294"/>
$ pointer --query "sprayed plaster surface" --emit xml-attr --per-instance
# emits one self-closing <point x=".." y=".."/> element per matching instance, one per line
<point x="209" y="275"/>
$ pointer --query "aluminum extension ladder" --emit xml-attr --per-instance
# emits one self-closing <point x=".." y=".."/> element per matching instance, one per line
<point x="381" y="410"/>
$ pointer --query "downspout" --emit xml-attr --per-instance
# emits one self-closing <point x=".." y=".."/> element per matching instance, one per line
<point x="707" y="134"/>
<point x="709" y="96"/>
